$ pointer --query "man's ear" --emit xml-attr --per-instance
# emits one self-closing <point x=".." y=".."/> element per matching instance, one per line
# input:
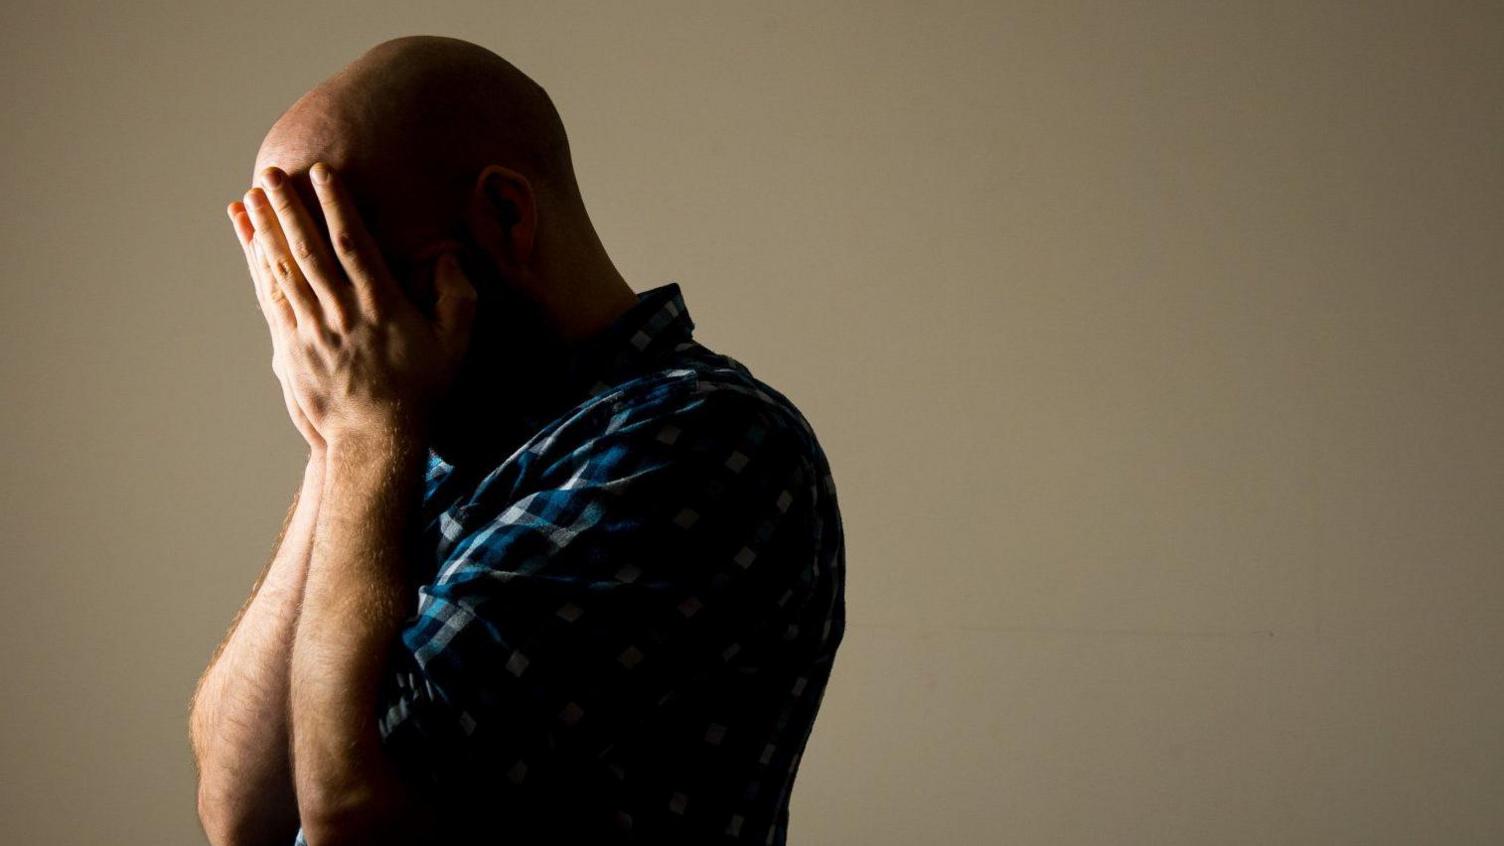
<point x="503" y="216"/>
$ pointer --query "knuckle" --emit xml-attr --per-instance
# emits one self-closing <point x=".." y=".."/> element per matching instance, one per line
<point x="376" y="308"/>
<point x="344" y="240"/>
<point x="284" y="268"/>
<point x="302" y="248"/>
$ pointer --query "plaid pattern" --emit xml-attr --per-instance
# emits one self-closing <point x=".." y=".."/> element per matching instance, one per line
<point x="630" y="621"/>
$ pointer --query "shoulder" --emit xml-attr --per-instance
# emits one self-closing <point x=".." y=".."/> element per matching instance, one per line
<point x="700" y="416"/>
<point x="711" y="392"/>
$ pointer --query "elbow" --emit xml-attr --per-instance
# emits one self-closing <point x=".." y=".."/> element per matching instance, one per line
<point x="331" y="818"/>
<point x="217" y="820"/>
<point x="331" y="834"/>
<point x="227" y="824"/>
<point x="346" y="828"/>
<point x="385" y="820"/>
<point x="374" y="808"/>
<point x="221" y="827"/>
<point x="211" y="821"/>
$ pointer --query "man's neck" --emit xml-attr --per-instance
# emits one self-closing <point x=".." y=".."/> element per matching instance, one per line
<point x="500" y="398"/>
<point x="581" y="310"/>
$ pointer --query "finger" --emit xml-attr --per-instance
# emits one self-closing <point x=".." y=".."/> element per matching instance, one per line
<point x="240" y="223"/>
<point x="454" y="308"/>
<point x="274" y="306"/>
<point x="270" y="291"/>
<point x="307" y="247"/>
<point x="286" y="320"/>
<point x="285" y="271"/>
<point x="353" y="245"/>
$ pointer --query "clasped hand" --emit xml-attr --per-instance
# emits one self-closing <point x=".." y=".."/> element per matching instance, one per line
<point x="356" y="357"/>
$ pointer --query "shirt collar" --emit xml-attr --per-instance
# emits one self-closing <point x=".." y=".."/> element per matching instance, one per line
<point x="652" y="328"/>
<point x="643" y="333"/>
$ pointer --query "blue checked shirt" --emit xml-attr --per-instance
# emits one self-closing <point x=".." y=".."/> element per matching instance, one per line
<point x="626" y="626"/>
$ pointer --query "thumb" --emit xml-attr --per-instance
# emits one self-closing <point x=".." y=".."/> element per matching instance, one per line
<point x="454" y="304"/>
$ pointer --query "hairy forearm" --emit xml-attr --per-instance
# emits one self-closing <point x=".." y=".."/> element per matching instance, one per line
<point x="355" y="600"/>
<point x="239" y="724"/>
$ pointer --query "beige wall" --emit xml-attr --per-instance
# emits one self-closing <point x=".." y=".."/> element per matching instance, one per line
<point x="1156" y="349"/>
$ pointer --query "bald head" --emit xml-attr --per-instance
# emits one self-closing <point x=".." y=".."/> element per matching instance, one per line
<point x="411" y="122"/>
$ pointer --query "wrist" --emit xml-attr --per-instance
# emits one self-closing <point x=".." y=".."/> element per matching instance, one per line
<point x="315" y="471"/>
<point x="376" y="449"/>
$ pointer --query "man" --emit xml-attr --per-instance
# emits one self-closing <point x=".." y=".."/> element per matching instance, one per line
<point x="556" y="571"/>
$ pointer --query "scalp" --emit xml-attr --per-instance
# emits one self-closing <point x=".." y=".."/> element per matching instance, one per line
<point x="427" y="108"/>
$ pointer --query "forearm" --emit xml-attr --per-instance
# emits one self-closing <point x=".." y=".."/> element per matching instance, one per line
<point x="239" y="724"/>
<point x="354" y="604"/>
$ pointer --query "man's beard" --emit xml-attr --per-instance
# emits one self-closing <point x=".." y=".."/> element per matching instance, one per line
<point x="512" y="370"/>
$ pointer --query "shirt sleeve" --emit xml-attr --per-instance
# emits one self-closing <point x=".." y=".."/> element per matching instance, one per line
<point x="659" y="548"/>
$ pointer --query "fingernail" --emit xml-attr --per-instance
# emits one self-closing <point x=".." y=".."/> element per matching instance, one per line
<point x="320" y="172"/>
<point x="273" y="177"/>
